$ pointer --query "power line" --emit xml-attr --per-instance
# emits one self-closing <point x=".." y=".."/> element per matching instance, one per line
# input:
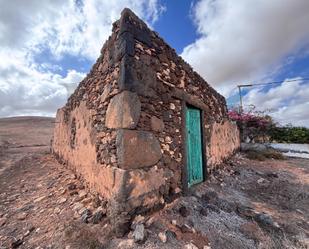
<point x="273" y="82"/>
<point x="263" y="84"/>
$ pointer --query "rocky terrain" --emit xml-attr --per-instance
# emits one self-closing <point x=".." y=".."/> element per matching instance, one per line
<point x="245" y="204"/>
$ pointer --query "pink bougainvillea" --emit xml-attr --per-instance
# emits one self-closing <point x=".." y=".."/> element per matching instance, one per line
<point x="250" y="117"/>
<point x="253" y="125"/>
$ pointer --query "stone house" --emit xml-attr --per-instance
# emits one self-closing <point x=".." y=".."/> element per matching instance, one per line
<point x="142" y="127"/>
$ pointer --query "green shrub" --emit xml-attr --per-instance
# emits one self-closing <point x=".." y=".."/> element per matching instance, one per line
<point x="289" y="134"/>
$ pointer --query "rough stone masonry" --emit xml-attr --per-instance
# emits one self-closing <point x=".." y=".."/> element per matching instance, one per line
<point x="122" y="130"/>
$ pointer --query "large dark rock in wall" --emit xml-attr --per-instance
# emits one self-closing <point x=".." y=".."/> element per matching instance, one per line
<point x="123" y="111"/>
<point x="136" y="149"/>
<point x="129" y="22"/>
<point x="137" y="77"/>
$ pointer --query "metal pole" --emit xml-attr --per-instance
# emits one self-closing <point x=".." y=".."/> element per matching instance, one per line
<point x="240" y="99"/>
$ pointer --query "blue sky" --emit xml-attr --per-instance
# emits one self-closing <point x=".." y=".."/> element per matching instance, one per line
<point x="48" y="45"/>
<point x="175" y="24"/>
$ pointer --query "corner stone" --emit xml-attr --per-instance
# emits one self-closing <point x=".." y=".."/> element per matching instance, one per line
<point x="137" y="149"/>
<point x="123" y="111"/>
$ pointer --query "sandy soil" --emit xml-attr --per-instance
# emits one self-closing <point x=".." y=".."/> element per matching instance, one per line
<point x="245" y="204"/>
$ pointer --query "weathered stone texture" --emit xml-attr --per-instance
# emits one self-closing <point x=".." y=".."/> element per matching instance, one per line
<point x="82" y="157"/>
<point x="123" y="111"/>
<point x="224" y="140"/>
<point x="157" y="124"/>
<point x="136" y="149"/>
<point x="148" y="187"/>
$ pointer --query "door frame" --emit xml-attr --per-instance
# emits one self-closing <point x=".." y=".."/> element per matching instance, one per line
<point x="184" y="173"/>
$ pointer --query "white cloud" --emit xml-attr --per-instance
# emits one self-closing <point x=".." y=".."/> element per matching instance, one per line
<point x="70" y="26"/>
<point x="63" y="27"/>
<point x="287" y="103"/>
<point x="245" y="40"/>
<point x="25" y="90"/>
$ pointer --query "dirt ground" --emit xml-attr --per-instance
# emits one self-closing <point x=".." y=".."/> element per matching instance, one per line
<point x="245" y="204"/>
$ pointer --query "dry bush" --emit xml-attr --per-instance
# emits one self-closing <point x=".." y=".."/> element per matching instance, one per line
<point x="265" y="154"/>
<point x="271" y="153"/>
<point x="255" y="155"/>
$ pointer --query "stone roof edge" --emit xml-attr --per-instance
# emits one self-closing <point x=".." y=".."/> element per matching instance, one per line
<point x="128" y="32"/>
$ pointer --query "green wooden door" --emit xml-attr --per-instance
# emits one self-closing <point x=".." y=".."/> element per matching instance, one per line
<point x="194" y="146"/>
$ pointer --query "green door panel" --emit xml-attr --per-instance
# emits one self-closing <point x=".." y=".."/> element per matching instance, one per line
<point x="194" y="146"/>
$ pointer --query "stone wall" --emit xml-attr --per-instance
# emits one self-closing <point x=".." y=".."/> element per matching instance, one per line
<point x="122" y="130"/>
<point x="167" y="81"/>
<point x="224" y="141"/>
<point x="99" y="135"/>
<point x="82" y="157"/>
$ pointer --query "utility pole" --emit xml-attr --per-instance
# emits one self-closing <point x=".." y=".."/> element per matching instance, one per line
<point x="240" y="99"/>
<point x="264" y="84"/>
<point x="240" y="96"/>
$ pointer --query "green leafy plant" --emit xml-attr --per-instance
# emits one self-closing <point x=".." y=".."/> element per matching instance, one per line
<point x="289" y="134"/>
